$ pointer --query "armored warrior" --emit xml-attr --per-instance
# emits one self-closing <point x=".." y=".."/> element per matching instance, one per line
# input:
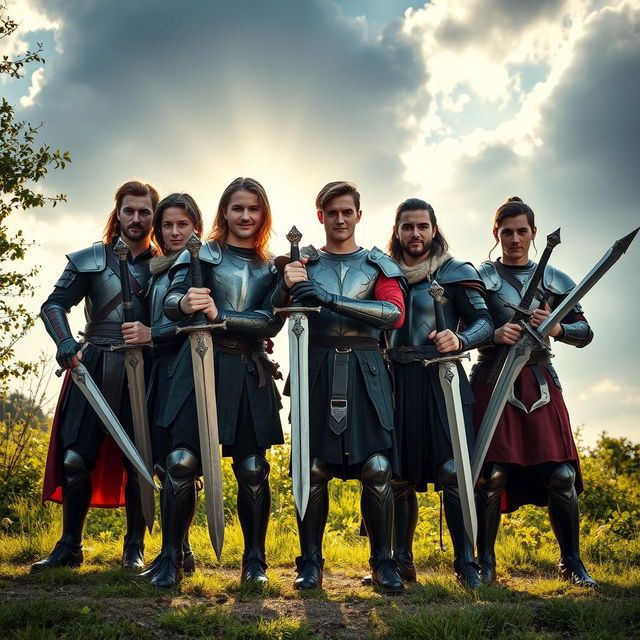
<point x="174" y="219"/>
<point x="422" y="428"/>
<point x="239" y="280"/>
<point x="83" y="467"/>
<point x="351" y="415"/>
<point x="533" y="458"/>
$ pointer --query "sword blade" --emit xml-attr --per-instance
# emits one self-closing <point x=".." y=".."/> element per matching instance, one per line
<point x="450" y="382"/>
<point x="205" y="391"/>
<point x="299" y="384"/>
<point x="513" y="365"/>
<point x="134" y="366"/>
<point x="94" y="397"/>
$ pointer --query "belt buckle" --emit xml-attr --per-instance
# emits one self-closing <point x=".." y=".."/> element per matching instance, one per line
<point x="343" y="349"/>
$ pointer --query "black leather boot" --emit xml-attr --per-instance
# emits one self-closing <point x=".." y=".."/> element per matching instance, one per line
<point x="76" y="497"/>
<point x="376" y="503"/>
<point x="464" y="563"/>
<point x="179" y="504"/>
<point x="405" y="522"/>
<point x="133" y="548"/>
<point x="310" y="563"/>
<point x="488" y="499"/>
<point x="564" y="515"/>
<point x="254" y="506"/>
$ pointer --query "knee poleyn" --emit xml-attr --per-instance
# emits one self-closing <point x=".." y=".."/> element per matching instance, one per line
<point x="182" y="464"/>
<point x="252" y="470"/>
<point x="562" y="478"/>
<point x="376" y="470"/>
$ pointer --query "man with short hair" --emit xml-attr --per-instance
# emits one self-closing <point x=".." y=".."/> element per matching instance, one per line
<point x="350" y="408"/>
<point x="422" y="428"/>
<point x="83" y="468"/>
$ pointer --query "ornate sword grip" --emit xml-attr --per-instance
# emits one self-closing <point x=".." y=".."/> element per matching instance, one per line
<point x="553" y="240"/>
<point x="436" y="292"/>
<point x="193" y="246"/>
<point x="122" y="251"/>
<point x="294" y="236"/>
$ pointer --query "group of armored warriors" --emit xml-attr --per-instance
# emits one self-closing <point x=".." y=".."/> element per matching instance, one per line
<point x="367" y="350"/>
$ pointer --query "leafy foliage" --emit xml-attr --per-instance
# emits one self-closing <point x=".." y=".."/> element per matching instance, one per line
<point x="23" y="162"/>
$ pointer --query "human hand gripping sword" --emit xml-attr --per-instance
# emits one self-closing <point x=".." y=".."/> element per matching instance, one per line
<point x="134" y="366"/>
<point x="298" y="329"/>
<point x="204" y="382"/>
<point x="534" y="339"/>
<point x="450" y="383"/>
<point x="523" y="311"/>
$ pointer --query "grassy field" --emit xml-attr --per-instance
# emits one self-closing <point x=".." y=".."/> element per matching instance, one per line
<point x="102" y="601"/>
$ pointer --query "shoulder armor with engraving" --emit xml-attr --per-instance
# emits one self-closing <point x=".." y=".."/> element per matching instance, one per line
<point x="93" y="259"/>
<point x="310" y="252"/>
<point x="385" y="263"/>
<point x="490" y="276"/>
<point x="453" y="271"/>
<point x="211" y="252"/>
<point x="556" y="281"/>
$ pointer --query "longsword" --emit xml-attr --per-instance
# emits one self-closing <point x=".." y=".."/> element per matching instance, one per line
<point x="298" y="329"/>
<point x="134" y="366"/>
<point x="534" y="339"/>
<point x="204" y="382"/>
<point x="450" y="382"/>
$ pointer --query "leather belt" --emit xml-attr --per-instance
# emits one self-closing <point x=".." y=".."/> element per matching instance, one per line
<point x="249" y="350"/>
<point x="405" y="355"/>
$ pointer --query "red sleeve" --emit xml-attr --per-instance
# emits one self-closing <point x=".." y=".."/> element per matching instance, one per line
<point x="389" y="290"/>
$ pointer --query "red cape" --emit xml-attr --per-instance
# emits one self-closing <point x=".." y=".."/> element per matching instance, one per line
<point x="108" y="477"/>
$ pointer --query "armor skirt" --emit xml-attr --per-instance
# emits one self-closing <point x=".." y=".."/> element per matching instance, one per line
<point x="524" y="440"/>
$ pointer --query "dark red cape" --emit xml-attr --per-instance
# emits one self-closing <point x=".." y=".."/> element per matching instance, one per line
<point x="527" y="439"/>
<point x="108" y="477"/>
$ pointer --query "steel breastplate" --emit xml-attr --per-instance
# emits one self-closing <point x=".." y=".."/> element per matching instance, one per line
<point x="349" y="275"/>
<point x="420" y="317"/>
<point x="239" y="283"/>
<point x="105" y="285"/>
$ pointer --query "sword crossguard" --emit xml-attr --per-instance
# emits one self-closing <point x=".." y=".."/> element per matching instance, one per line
<point x="533" y="335"/>
<point x="444" y="359"/>
<point x="297" y="309"/>
<point x="131" y="345"/>
<point x="202" y="327"/>
<point x="518" y="309"/>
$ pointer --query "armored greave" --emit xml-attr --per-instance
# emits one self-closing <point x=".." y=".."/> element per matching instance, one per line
<point x="376" y="504"/>
<point x="254" y="505"/>
<point x="178" y="507"/>
<point x="488" y="499"/>
<point x="133" y="550"/>
<point x="463" y="551"/>
<point x="564" y="513"/>
<point x="309" y="563"/>
<point x="76" y="497"/>
<point x="405" y="522"/>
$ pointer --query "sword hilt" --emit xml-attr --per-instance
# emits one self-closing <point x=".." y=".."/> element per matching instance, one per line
<point x="436" y="291"/>
<point x="121" y="250"/>
<point x="193" y="246"/>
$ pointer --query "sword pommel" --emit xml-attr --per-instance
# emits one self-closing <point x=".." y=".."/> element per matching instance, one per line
<point x="553" y="239"/>
<point x="294" y="236"/>
<point x="621" y="246"/>
<point x="121" y="250"/>
<point x="436" y="291"/>
<point x="193" y="245"/>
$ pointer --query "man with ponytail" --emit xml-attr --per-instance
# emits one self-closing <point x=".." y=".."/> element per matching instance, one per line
<point x="533" y="458"/>
<point x="83" y="467"/>
<point x="422" y="428"/>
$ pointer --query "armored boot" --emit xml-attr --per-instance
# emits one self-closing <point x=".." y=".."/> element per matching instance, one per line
<point x="76" y="497"/>
<point x="464" y="564"/>
<point x="376" y="504"/>
<point x="405" y="522"/>
<point x="310" y="563"/>
<point x="254" y="505"/>
<point x="564" y="515"/>
<point x="179" y="504"/>
<point x="133" y="548"/>
<point x="488" y="499"/>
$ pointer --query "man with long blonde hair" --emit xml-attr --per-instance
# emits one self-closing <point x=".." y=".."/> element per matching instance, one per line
<point x="83" y="469"/>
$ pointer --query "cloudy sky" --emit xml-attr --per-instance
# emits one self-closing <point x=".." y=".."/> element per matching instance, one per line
<point x="460" y="103"/>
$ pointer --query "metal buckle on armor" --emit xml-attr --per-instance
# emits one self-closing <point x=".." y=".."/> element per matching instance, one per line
<point x="338" y="409"/>
<point x="343" y="349"/>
